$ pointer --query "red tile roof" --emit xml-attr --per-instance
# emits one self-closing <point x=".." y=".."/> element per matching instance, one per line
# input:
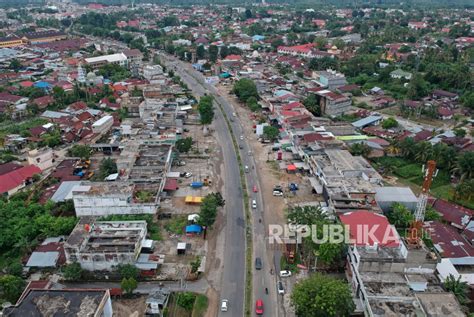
<point x="17" y="177"/>
<point x="361" y="222"/>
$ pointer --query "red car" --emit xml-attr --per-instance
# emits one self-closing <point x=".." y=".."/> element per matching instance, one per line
<point x="259" y="307"/>
<point x="255" y="189"/>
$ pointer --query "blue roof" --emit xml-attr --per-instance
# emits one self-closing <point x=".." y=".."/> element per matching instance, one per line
<point x="366" y="121"/>
<point x="42" y="84"/>
<point x="280" y="93"/>
<point x="193" y="229"/>
<point x="258" y="37"/>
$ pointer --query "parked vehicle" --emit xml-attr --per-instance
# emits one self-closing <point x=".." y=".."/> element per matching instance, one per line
<point x="258" y="263"/>
<point x="259" y="307"/>
<point x="224" y="305"/>
<point x="293" y="186"/>
<point x="196" y="184"/>
<point x="186" y="174"/>
<point x="285" y="273"/>
<point x="277" y="193"/>
<point x="280" y="288"/>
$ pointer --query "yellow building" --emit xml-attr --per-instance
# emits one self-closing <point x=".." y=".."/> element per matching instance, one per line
<point x="10" y="41"/>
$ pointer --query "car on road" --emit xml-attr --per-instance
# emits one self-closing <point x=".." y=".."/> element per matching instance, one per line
<point x="259" y="307"/>
<point x="254" y="204"/>
<point x="241" y="137"/>
<point x="241" y="146"/>
<point x="255" y="189"/>
<point x="277" y="193"/>
<point x="285" y="273"/>
<point x="280" y="288"/>
<point x="234" y="114"/>
<point x="224" y="305"/>
<point x="246" y="169"/>
<point x="258" y="263"/>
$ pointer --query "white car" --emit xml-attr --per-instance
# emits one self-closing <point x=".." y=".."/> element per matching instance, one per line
<point x="277" y="193"/>
<point x="285" y="273"/>
<point x="224" y="305"/>
<point x="188" y="175"/>
<point x="254" y="204"/>
<point x="280" y="289"/>
<point x="241" y="137"/>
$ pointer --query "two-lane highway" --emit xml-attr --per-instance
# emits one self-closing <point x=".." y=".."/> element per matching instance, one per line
<point x="233" y="277"/>
<point x="233" y="280"/>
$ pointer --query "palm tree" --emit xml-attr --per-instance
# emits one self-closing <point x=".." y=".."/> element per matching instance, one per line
<point x="465" y="165"/>
<point x="458" y="288"/>
<point x="424" y="151"/>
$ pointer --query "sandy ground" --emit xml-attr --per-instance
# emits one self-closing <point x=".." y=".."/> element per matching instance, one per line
<point x="134" y="307"/>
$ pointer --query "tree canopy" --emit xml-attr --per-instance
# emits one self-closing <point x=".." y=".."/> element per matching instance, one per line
<point x="321" y="295"/>
<point x="206" y="109"/>
<point x="244" y="89"/>
<point x="209" y="205"/>
<point x="270" y="133"/>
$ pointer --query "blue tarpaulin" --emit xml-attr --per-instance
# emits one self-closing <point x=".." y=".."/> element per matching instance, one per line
<point x="193" y="229"/>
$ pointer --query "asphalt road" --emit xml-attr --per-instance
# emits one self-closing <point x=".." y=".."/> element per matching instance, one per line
<point x="232" y="285"/>
<point x="233" y="277"/>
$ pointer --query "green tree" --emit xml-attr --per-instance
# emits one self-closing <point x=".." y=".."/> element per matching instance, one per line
<point x="213" y="53"/>
<point x="457" y="287"/>
<point x="389" y="123"/>
<point x="244" y="89"/>
<point x="184" y="145"/>
<point x="252" y="103"/>
<point x="200" y="52"/>
<point x="128" y="285"/>
<point x="107" y="167"/>
<point x="270" y="133"/>
<point x="15" y="269"/>
<point x="331" y="253"/>
<point x="306" y="215"/>
<point x="195" y="265"/>
<point x="206" y="109"/>
<point x="431" y="214"/>
<point x="359" y="149"/>
<point x="11" y="287"/>
<point x="417" y="88"/>
<point x="73" y="272"/>
<point x="321" y="295"/>
<point x="465" y="165"/>
<point x="467" y="100"/>
<point x="208" y="210"/>
<point x="400" y="216"/>
<point x="81" y="151"/>
<point x="128" y="271"/>
<point x="224" y="51"/>
<point x="186" y="300"/>
<point x="460" y="133"/>
<point x="311" y="103"/>
<point x="15" y="65"/>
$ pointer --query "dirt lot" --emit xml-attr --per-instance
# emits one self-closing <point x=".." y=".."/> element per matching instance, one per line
<point x="134" y="307"/>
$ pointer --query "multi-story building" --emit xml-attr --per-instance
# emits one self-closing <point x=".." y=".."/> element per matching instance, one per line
<point x="333" y="104"/>
<point x="103" y="245"/>
<point x="42" y="158"/>
<point x="330" y="79"/>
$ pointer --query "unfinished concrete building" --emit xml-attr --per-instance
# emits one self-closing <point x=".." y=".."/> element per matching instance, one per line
<point x="347" y="182"/>
<point x="115" y="198"/>
<point x="61" y="302"/>
<point x="103" y="245"/>
<point x="387" y="277"/>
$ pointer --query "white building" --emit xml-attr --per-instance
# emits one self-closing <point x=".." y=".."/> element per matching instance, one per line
<point x="150" y="72"/>
<point x="43" y="158"/>
<point x="111" y="198"/>
<point x="98" y="61"/>
<point x="103" y="125"/>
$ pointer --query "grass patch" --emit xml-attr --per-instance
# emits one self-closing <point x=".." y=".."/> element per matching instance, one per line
<point x="155" y="233"/>
<point x="410" y="171"/>
<point x="200" y="306"/>
<point x="176" y="225"/>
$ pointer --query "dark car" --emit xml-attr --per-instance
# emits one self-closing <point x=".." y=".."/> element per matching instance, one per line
<point x="258" y="263"/>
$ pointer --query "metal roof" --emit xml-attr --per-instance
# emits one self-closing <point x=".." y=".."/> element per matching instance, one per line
<point x="43" y="259"/>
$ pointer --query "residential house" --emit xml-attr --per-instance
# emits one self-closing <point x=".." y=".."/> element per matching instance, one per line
<point x="17" y="178"/>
